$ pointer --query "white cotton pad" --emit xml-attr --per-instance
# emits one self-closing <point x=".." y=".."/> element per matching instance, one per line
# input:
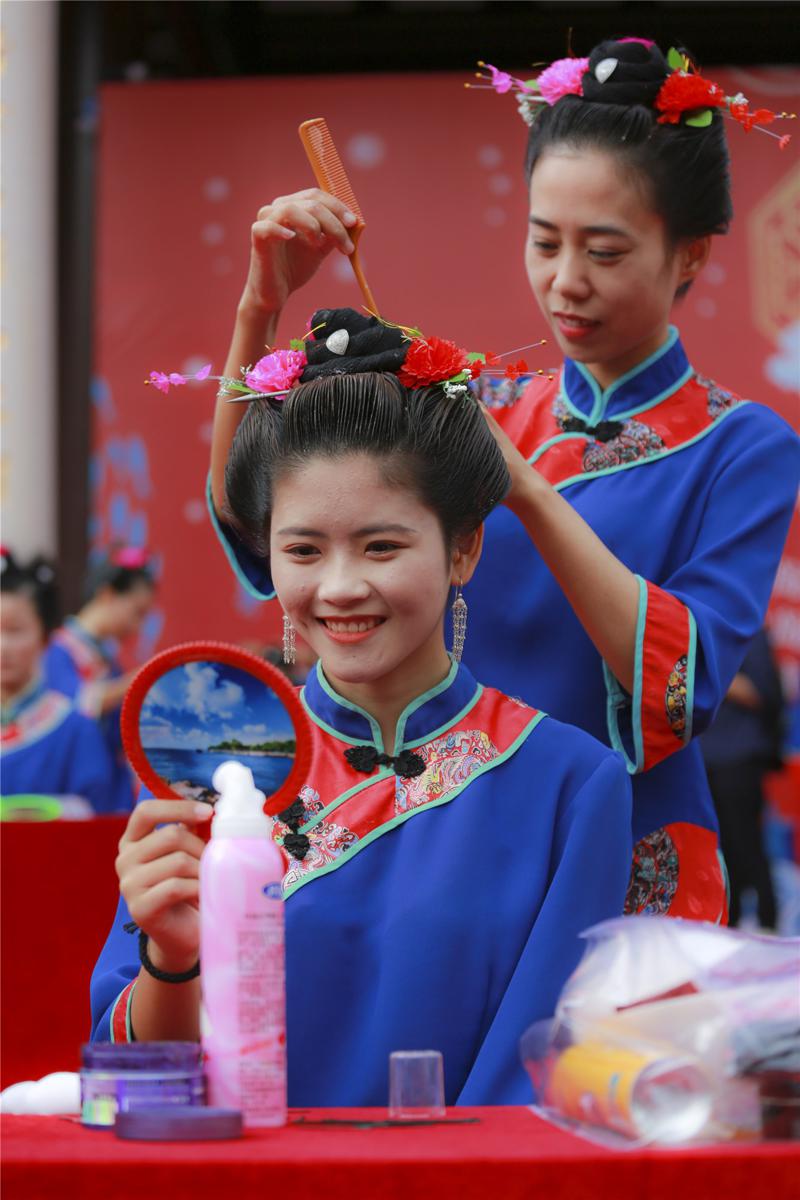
<point x="53" y="1095"/>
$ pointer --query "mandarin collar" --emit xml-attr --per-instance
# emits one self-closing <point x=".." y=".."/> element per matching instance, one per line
<point x="646" y="384"/>
<point x="429" y="715"/>
<point x="30" y="694"/>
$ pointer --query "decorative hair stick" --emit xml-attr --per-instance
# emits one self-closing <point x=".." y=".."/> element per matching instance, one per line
<point x="332" y="177"/>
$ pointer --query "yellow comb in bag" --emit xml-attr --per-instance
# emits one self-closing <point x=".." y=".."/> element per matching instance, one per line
<point x="332" y="177"/>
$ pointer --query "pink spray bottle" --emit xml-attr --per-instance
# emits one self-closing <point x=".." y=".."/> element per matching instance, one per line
<point x="243" y="1013"/>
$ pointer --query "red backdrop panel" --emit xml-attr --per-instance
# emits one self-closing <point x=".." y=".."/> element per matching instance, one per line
<point x="184" y="168"/>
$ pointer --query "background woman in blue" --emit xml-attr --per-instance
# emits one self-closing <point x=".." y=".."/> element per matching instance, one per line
<point x="48" y="748"/>
<point x="81" y="660"/>
<point x="628" y="570"/>
<point x="450" y="843"/>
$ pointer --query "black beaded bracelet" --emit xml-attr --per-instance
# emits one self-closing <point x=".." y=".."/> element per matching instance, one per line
<point x="164" y="976"/>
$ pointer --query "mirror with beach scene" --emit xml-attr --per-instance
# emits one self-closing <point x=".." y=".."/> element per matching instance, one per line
<point x="198" y="705"/>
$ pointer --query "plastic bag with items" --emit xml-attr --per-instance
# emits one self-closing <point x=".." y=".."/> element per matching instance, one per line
<point x="670" y="1031"/>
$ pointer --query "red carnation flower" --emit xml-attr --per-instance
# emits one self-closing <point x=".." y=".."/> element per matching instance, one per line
<point x="681" y="93"/>
<point x="431" y="360"/>
<point x="514" y="370"/>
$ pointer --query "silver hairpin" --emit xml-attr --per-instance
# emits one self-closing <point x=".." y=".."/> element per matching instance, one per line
<point x="338" y="341"/>
<point x="605" y="69"/>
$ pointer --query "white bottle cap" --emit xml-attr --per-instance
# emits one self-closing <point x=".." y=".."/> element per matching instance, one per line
<point x="239" y="812"/>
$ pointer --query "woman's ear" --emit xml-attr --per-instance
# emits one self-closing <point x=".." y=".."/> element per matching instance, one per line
<point x="466" y="556"/>
<point x="694" y="256"/>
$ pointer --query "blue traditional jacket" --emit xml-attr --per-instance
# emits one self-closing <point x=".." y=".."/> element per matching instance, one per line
<point x="77" y="664"/>
<point x="693" y="489"/>
<point x="50" y="749"/>
<point x="440" y="911"/>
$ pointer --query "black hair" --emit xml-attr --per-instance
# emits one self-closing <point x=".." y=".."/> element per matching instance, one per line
<point x="686" y="168"/>
<point x="36" y="581"/>
<point x="436" y="443"/>
<point x="113" y="571"/>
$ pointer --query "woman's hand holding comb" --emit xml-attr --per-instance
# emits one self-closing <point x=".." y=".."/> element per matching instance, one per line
<point x="289" y="240"/>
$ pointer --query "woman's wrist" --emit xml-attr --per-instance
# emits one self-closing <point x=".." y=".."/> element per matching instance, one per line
<point x="253" y="307"/>
<point x="529" y="491"/>
<point x="175" y="963"/>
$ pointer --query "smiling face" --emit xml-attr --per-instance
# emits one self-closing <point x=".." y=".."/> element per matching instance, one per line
<point x="362" y="570"/>
<point x="599" y="261"/>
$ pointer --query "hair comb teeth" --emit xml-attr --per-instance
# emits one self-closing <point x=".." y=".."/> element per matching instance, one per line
<point x="332" y="177"/>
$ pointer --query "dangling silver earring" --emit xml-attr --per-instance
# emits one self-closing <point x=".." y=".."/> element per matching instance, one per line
<point x="459" y="611"/>
<point x="289" y="644"/>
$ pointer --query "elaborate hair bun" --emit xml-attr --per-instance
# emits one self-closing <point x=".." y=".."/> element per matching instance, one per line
<point x="631" y="71"/>
<point x="363" y="344"/>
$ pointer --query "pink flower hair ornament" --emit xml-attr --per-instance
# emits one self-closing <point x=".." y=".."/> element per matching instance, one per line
<point x="685" y="96"/>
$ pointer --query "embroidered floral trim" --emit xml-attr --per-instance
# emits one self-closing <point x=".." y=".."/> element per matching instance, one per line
<point x="675" y="698"/>
<point x="449" y="762"/>
<point x="635" y="441"/>
<point x="327" y="841"/>
<point x="654" y="874"/>
<point x="719" y="399"/>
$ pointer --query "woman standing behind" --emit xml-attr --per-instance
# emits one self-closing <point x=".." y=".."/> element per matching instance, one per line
<point x="659" y="501"/>
<point x="81" y="659"/>
<point x="634" y="557"/>
<point x="48" y="748"/>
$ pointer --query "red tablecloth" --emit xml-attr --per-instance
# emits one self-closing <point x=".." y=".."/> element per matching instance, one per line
<point x="508" y="1155"/>
<point x="59" y="896"/>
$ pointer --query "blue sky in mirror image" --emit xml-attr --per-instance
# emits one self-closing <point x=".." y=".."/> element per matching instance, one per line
<point x="199" y="704"/>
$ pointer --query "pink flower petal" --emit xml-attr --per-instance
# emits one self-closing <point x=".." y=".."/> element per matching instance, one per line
<point x="176" y="379"/>
<point x="159" y="380"/>
<point x="276" y="372"/>
<point x="564" y="77"/>
<point x="204" y="372"/>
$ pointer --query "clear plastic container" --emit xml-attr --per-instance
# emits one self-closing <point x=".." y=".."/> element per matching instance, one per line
<point x="643" y="1093"/>
<point x="124" y="1077"/>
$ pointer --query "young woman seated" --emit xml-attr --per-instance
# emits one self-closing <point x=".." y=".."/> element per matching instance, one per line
<point x="450" y="843"/>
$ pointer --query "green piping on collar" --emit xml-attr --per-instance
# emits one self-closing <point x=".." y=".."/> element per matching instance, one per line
<point x="411" y="708"/>
<point x="341" y="737"/>
<point x="377" y="736"/>
<point x="402" y="817"/>
<point x="602" y="398"/>
<point x="459" y="716"/>
<point x="383" y="773"/>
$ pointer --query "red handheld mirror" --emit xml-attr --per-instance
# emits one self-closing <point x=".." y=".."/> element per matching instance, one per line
<point x="192" y="707"/>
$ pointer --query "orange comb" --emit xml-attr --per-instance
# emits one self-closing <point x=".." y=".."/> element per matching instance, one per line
<point x="332" y="177"/>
